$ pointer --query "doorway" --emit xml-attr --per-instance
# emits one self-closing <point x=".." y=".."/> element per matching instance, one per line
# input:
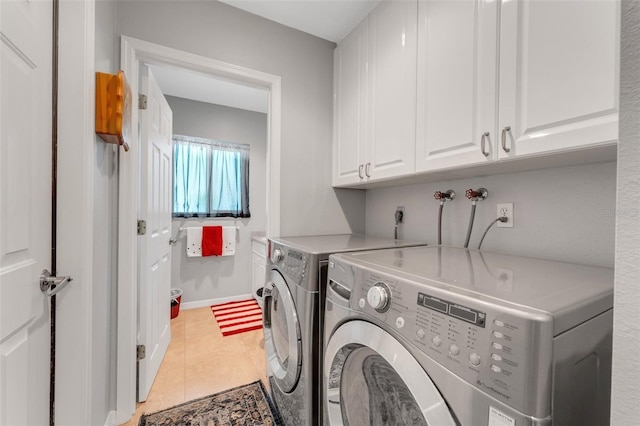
<point x="134" y="53"/>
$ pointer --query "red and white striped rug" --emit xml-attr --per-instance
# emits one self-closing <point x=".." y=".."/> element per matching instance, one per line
<point x="238" y="317"/>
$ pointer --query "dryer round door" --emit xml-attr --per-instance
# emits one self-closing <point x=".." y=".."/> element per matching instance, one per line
<point x="283" y="346"/>
<point x="373" y="379"/>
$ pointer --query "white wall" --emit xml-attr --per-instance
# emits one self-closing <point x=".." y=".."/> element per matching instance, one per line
<point x="105" y="228"/>
<point x="308" y="203"/>
<point x="219" y="277"/>
<point x="625" y="407"/>
<point x="562" y="213"/>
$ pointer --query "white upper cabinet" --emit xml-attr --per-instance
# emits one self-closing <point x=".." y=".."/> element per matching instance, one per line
<point x="349" y="104"/>
<point x="543" y="78"/>
<point x="375" y="97"/>
<point x="391" y="123"/>
<point x="559" y="75"/>
<point x="456" y="83"/>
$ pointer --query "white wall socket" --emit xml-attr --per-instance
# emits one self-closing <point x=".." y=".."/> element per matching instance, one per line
<point x="506" y="210"/>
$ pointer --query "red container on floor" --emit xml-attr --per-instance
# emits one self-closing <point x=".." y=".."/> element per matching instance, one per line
<point x="176" y="297"/>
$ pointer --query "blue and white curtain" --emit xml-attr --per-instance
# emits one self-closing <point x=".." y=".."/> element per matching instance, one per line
<point x="210" y="178"/>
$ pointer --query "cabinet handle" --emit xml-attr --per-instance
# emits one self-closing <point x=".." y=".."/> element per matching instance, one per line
<point x="504" y="139"/>
<point x="360" y="171"/>
<point x="483" y="141"/>
<point x="366" y="170"/>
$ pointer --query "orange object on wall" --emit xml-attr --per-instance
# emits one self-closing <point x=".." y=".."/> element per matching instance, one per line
<point x="113" y="108"/>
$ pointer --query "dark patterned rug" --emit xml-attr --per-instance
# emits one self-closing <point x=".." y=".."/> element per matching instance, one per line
<point x="247" y="405"/>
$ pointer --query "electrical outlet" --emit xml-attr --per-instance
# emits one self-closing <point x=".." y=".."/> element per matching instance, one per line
<point x="505" y="210"/>
<point x="400" y="211"/>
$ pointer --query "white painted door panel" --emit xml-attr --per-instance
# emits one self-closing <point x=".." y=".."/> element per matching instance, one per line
<point x="558" y="74"/>
<point x="154" y="287"/>
<point x="25" y="209"/>
<point x="350" y="78"/>
<point x="391" y="104"/>
<point x="456" y="82"/>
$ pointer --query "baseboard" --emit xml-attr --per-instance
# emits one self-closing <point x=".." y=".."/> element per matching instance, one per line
<point x="211" y="302"/>
<point x="111" y="419"/>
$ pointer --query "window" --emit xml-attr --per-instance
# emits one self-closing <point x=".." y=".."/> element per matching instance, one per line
<point x="210" y="178"/>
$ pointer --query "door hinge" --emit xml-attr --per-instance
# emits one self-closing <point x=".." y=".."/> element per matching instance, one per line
<point x="142" y="101"/>
<point x="142" y="227"/>
<point x="140" y="352"/>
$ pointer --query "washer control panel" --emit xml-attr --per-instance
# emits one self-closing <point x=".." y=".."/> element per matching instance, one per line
<point x="484" y="343"/>
<point x="291" y="262"/>
<point x="451" y="309"/>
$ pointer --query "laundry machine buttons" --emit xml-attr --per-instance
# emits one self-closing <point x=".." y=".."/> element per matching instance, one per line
<point x="454" y="350"/>
<point x="498" y="335"/>
<point x="498" y="323"/>
<point x="495" y="369"/>
<point x="420" y="333"/>
<point x="474" y="359"/>
<point x="496" y="357"/>
<point x="399" y="322"/>
<point x="436" y="341"/>
<point x="497" y="346"/>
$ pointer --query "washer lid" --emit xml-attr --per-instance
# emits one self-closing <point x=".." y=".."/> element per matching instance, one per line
<point x="340" y="243"/>
<point x="571" y="293"/>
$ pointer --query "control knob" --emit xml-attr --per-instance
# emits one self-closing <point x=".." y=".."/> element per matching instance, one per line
<point x="277" y="256"/>
<point x="379" y="297"/>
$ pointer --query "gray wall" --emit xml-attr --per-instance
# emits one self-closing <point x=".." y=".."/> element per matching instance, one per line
<point x="308" y="203"/>
<point x="564" y="213"/>
<point x="220" y="277"/>
<point x="626" y="340"/>
<point x="105" y="183"/>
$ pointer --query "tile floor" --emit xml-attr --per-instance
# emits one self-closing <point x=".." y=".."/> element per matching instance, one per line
<point x="200" y="362"/>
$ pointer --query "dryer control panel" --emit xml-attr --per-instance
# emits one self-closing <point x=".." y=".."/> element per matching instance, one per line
<point x="290" y="262"/>
<point x="504" y="352"/>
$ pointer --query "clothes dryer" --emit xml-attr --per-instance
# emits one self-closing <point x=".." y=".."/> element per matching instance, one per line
<point x="449" y="336"/>
<point x="293" y="307"/>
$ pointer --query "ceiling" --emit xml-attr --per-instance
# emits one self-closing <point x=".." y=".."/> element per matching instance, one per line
<point x="328" y="19"/>
<point x="205" y="88"/>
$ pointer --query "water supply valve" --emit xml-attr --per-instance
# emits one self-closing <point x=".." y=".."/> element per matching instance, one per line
<point x="476" y="194"/>
<point x="447" y="195"/>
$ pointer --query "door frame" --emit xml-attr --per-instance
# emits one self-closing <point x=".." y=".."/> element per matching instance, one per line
<point x="133" y="52"/>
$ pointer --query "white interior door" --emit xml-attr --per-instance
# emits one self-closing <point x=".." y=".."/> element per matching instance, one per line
<point x="154" y="287"/>
<point x="25" y="209"/>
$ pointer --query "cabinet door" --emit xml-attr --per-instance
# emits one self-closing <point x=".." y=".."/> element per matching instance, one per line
<point x="258" y="271"/>
<point x="390" y="146"/>
<point x="558" y="74"/>
<point x="456" y="83"/>
<point x="349" y="101"/>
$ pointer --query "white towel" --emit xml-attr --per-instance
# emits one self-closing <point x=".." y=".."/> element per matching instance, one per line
<point x="228" y="240"/>
<point x="194" y="241"/>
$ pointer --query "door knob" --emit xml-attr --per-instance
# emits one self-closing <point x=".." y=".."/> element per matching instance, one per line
<point x="52" y="285"/>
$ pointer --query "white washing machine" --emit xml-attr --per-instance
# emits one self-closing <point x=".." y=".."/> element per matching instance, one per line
<point x="293" y="306"/>
<point x="449" y="336"/>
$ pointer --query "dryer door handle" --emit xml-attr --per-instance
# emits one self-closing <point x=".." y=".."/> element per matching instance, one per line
<point x="267" y="295"/>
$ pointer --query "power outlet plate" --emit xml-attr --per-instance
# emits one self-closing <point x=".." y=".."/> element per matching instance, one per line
<point x="506" y="210"/>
